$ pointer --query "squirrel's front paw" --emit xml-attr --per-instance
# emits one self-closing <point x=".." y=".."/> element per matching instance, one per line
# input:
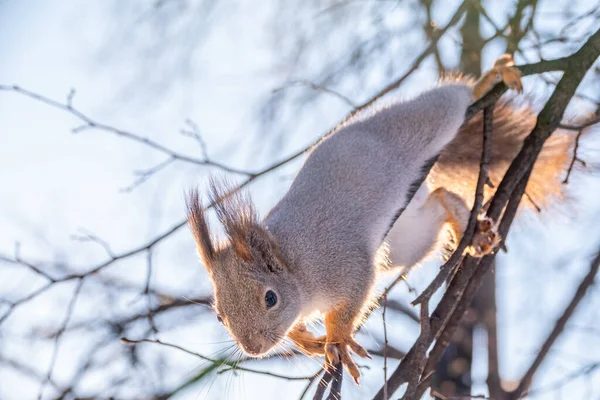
<point x="306" y="341"/>
<point x="339" y="352"/>
<point x="486" y="238"/>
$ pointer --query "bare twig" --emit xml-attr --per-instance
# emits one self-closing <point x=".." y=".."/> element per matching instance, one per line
<point x="580" y="129"/>
<point x="233" y="366"/>
<point x="391" y="352"/>
<point x="90" y="123"/>
<point x="421" y="345"/>
<point x="574" y="158"/>
<point x="58" y="336"/>
<point x="586" y="370"/>
<point x="580" y="126"/>
<point x="320" y="88"/>
<point x="20" y="261"/>
<point x="143" y="175"/>
<point x="400" y="307"/>
<point x="147" y="291"/>
<point x="442" y="397"/>
<point x="28" y="371"/>
<point x="194" y="133"/>
<point x="312" y="380"/>
<point x="89" y="236"/>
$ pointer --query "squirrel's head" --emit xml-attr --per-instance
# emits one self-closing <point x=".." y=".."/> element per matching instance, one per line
<point x="256" y="296"/>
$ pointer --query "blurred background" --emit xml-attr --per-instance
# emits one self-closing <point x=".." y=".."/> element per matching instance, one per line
<point x="122" y="106"/>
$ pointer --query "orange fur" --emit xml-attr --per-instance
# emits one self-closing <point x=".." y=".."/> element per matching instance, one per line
<point x="457" y="167"/>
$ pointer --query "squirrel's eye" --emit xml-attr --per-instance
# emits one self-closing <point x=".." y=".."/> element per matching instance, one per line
<point x="270" y="298"/>
<point x="219" y="318"/>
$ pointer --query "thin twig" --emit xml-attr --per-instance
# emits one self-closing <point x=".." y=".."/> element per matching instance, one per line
<point x="574" y="158"/>
<point x="28" y="371"/>
<point x="194" y="133"/>
<point x="463" y="397"/>
<point x="312" y="380"/>
<point x="401" y="307"/>
<point x="20" y="261"/>
<point x="91" y="237"/>
<point x="234" y="366"/>
<point x="320" y="88"/>
<point x="89" y="124"/>
<point x="144" y="175"/>
<point x="147" y="291"/>
<point x="58" y="336"/>
<point x="580" y="126"/>
<point x="586" y="370"/>
<point x="420" y="358"/>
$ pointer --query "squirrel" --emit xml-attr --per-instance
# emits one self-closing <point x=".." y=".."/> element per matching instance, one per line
<point x="319" y="250"/>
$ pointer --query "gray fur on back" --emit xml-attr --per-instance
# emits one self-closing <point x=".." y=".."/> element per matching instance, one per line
<point x="341" y="204"/>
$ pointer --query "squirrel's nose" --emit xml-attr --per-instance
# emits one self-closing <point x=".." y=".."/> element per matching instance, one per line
<point x="253" y="349"/>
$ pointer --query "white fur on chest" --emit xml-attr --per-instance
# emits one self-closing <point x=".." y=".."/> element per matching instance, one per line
<point x="317" y="306"/>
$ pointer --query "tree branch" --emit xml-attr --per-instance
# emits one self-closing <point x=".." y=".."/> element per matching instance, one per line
<point x="463" y="286"/>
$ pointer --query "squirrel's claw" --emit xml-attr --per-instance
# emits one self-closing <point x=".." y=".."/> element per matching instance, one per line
<point x="358" y="349"/>
<point x="504" y="70"/>
<point x="338" y="352"/>
<point x="485" y="240"/>
<point x="511" y="76"/>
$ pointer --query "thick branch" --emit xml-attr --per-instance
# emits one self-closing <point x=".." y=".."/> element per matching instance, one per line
<point x="454" y="302"/>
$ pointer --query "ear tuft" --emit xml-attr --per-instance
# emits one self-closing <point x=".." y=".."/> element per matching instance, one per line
<point x="236" y="213"/>
<point x="198" y="225"/>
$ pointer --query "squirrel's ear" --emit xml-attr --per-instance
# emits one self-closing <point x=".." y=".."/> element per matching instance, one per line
<point x="236" y="213"/>
<point x="262" y="244"/>
<point x="199" y="227"/>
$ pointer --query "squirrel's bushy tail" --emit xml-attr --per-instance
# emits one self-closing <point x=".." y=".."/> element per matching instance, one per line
<point x="458" y="165"/>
